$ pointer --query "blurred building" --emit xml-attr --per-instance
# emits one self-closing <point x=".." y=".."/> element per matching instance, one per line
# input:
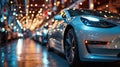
<point x="110" y="5"/>
<point x="9" y="14"/>
<point x="35" y="13"/>
<point x="40" y="11"/>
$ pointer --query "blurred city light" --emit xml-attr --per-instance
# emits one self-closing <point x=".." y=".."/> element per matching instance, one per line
<point x="45" y="10"/>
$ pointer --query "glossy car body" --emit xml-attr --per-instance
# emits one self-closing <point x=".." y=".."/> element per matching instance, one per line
<point x="92" y="35"/>
<point x="37" y="35"/>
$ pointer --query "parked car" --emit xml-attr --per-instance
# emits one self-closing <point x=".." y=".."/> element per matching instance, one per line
<point x="40" y="35"/>
<point x="86" y="35"/>
<point x="37" y="35"/>
<point x="44" y="35"/>
<point x="27" y="33"/>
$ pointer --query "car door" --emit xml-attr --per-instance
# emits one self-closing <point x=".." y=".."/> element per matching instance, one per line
<point x="58" y="35"/>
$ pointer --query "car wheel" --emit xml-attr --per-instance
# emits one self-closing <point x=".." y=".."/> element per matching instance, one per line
<point x="71" y="50"/>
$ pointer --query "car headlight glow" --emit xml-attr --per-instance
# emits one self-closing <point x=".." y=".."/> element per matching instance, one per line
<point x="20" y="34"/>
<point x="92" y="19"/>
<point x="39" y="33"/>
<point x="95" y="22"/>
<point x="3" y="29"/>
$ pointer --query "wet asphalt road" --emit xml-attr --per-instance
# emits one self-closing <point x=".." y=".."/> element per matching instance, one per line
<point x="28" y="53"/>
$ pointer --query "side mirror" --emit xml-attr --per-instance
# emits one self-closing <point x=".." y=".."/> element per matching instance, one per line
<point x="58" y="17"/>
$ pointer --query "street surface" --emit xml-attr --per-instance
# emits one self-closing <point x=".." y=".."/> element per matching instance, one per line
<point x="28" y="53"/>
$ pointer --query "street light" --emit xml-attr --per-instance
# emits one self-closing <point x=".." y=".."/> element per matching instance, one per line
<point x="30" y="12"/>
<point x="19" y="7"/>
<point x="33" y="11"/>
<point x="11" y="2"/>
<point x="31" y="5"/>
<point x="20" y="11"/>
<point x="43" y="5"/>
<point x="36" y="5"/>
<point x="14" y="9"/>
<point x="80" y="3"/>
<point x="5" y="17"/>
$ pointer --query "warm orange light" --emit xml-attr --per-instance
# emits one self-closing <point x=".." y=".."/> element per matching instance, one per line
<point x="86" y="41"/>
<point x="11" y="2"/>
<point x="55" y="4"/>
<point x="108" y="43"/>
<point x="52" y="20"/>
<point x="98" y="3"/>
<point x="106" y="5"/>
<point x="32" y="15"/>
<point x="27" y="6"/>
<point x="20" y="11"/>
<point x="65" y="0"/>
<point x="43" y="5"/>
<point x="12" y="24"/>
<point x="58" y="3"/>
<point x="5" y="17"/>
<point x="33" y="11"/>
<point x="36" y="5"/>
<point x="19" y="7"/>
<point x="31" y="5"/>
<point x="21" y="15"/>
<point x="30" y="12"/>
<point x="80" y="3"/>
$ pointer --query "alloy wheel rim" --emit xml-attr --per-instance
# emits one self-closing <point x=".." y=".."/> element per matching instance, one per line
<point x="70" y="47"/>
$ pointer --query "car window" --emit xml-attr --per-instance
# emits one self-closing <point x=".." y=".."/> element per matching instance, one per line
<point x="105" y="14"/>
<point x="74" y="12"/>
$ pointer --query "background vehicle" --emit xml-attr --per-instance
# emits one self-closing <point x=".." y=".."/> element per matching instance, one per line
<point x="40" y="35"/>
<point x="27" y="33"/>
<point x="37" y="35"/>
<point x="86" y="35"/>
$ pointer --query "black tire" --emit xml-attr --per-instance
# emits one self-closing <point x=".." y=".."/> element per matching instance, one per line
<point x="71" y="48"/>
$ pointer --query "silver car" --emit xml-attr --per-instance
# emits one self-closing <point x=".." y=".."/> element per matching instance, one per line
<point x="86" y="35"/>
